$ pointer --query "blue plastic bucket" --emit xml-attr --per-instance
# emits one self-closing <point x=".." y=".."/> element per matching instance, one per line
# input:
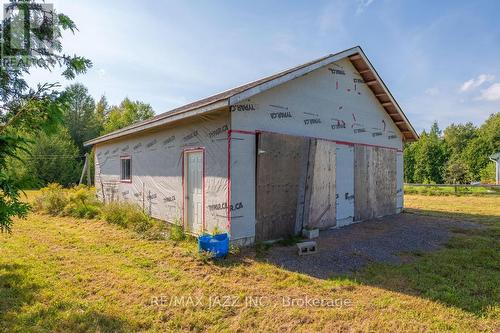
<point x="217" y="244"/>
<point x="204" y="242"/>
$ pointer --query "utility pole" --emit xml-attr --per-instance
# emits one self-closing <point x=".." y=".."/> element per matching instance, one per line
<point x="83" y="170"/>
<point x="89" y="180"/>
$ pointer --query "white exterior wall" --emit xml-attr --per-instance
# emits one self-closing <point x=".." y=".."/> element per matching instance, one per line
<point x="157" y="163"/>
<point x="329" y="103"/>
<point x="242" y="188"/>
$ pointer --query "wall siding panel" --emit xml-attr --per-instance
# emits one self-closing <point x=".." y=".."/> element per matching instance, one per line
<point x="374" y="182"/>
<point x="320" y="187"/>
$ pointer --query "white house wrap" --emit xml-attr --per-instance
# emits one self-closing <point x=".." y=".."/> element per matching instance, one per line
<point x="319" y="145"/>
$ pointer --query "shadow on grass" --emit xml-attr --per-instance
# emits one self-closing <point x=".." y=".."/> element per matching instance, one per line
<point x="464" y="273"/>
<point x="21" y="311"/>
<point x="15" y="290"/>
<point x="479" y="218"/>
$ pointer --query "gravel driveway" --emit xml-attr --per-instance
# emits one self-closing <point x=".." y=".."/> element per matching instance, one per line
<point x="349" y="248"/>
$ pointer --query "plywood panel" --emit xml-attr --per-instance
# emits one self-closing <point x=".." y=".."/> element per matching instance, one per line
<point x="301" y="199"/>
<point x="320" y="190"/>
<point x="375" y="182"/>
<point x="279" y="168"/>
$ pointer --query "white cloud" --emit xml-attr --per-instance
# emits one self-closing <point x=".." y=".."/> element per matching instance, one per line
<point x="492" y="93"/>
<point x="362" y="5"/>
<point x="474" y="83"/>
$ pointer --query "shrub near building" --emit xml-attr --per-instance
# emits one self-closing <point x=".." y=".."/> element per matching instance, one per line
<point x="81" y="202"/>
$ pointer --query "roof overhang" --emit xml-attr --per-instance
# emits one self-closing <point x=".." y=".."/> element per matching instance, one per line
<point x="158" y="122"/>
<point x="238" y="94"/>
<point x="383" y="95"/>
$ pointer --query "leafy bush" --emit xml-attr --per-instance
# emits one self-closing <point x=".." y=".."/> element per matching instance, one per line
<point x="52" y="200"/>
<point x="126" y="215"/>
<point x="79" y="201"/>
<point x="116" y="212"/>
<point x="139" y="221"/>
<point x="82" y="203"/>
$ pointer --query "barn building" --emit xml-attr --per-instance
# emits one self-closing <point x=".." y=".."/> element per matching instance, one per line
<point x="315" y="146"/>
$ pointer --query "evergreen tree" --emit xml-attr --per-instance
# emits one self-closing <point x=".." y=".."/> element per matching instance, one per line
<point x="54" y="158"/>
<point x="80" y="114"/>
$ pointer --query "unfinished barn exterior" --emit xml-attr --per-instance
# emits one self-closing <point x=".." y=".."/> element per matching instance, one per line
<point x="316" y="146"/>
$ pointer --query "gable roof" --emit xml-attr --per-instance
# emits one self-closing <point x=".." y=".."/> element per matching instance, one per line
<point x="235" y="95"/>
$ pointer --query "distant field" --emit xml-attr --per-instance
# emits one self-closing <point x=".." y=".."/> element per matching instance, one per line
<point x="446" y="190"/>
<point x="68" y="275"/>
<point x="480" y="209"/>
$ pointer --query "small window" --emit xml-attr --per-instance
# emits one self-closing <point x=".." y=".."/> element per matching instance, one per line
<point x="126" y="174"/>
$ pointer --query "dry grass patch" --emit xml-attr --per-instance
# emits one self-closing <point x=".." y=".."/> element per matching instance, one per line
<point x="60" y="274"/>
<point x="479" y="209"/>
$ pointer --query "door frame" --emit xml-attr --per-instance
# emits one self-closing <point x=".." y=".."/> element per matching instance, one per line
<point x="185" y="153"/>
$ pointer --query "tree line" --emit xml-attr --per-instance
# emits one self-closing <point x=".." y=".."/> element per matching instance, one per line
<point x="457" y="155"/>
<point x="57" y="155"/>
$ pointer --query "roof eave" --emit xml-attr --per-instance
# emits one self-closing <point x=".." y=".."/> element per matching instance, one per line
<point x="355" y="55"/>
<point x="383" y="95"/>
<point x="148" y="125"/>
<point x="292" y="75"/>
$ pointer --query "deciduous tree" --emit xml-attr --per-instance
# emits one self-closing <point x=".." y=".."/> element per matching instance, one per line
<point x="23" y="108"/>
<point x="125" y="114"/>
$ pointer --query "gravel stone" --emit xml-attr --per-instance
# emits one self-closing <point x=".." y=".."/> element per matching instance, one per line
<point x="347" y="249"/>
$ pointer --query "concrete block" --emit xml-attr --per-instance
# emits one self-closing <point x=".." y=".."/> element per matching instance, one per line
<point x="307" y="248"/>
<point x="310" y="233"/>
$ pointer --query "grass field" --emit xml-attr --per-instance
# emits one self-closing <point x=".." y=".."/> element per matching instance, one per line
<point x="454" y="191"/>
<point x="68" y="275"/>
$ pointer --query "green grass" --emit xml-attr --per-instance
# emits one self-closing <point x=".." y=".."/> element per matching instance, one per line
<point x="446" y="190"/>
<point x="465" y="274"/>
<point x="68" y="275"/>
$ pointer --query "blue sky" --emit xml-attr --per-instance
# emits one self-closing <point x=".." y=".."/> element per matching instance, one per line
<point x="440" y="59"/>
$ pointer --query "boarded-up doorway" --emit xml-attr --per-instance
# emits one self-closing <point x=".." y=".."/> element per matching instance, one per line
<point x="374" y="182"/>
<point x="281" y="162"/>
<point x="319" y="210"/>
<point x="295" y="185"/>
